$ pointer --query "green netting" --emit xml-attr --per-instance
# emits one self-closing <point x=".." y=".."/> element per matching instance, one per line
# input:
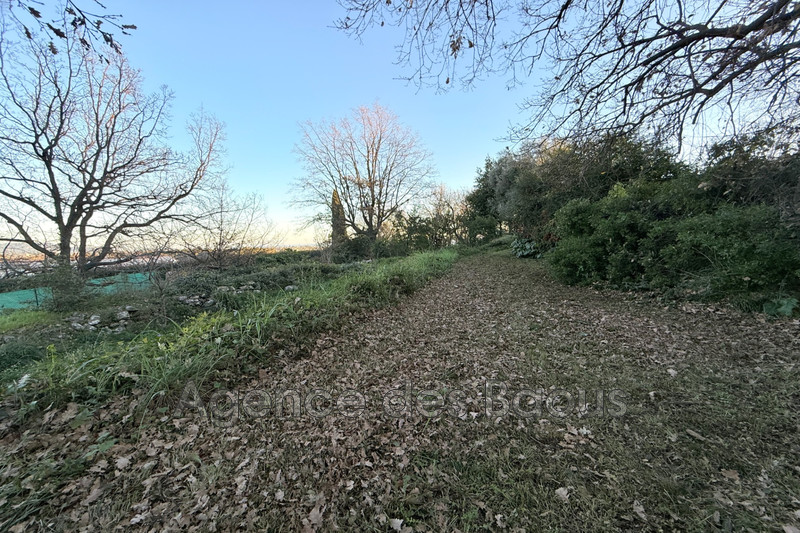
<point x="25" y="299"/>
<point x="38" y="297"/>
<point x="120" y="282"/>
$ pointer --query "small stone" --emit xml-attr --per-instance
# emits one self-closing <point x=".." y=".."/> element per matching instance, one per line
<point x="123" y="315"/>
<point x="94" y="320"/>
<point x="290" y="288"/>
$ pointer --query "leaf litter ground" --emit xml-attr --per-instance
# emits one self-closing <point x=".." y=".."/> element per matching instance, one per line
<point x="622" y="414"/>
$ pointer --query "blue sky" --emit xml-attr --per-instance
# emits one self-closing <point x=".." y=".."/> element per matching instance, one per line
<point x="264" y="67"/>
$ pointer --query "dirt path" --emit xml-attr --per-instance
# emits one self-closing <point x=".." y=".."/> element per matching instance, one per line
<point x="697" y="435"/>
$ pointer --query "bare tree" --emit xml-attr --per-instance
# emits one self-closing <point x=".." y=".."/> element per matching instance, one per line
<point x="83" y="159"/>
<point x="373" y="163"/>
<point x="611" y="66"/>
<point x="228" y="227"/>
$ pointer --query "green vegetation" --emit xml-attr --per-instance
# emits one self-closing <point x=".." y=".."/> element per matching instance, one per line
<point x="250" y="328"/>
<point x="22" y="319"/>
<point x="626" y="213"/>
<point x="154" y="361"/>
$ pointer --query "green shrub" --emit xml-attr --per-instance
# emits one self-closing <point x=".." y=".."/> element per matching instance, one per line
<point x="603" y="239"/>
<point x="576" y="218"/>
<point x="69" y="290"/>
<point x="621" y="239"/>
<point x="522" y="247"/>
<point x="481" y="229"/>
<point x="355" y="248"/>
<point x="734" y="250"/>
<point x="781" y="306"/>
<point x="393" y="247"/>
<point x="577" y="260"/>
<point x="681" y="197"/>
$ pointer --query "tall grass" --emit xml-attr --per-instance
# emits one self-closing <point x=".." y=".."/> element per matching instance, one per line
<point x="270" y="326"/>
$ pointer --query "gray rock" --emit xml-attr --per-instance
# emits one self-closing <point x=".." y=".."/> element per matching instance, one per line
<point x="123" y="315"/>
<point x="291" y="288"/>
<point x="77" y="326"/>
<point x="94" y="320"/>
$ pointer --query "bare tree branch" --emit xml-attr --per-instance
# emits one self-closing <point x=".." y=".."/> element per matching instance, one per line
<point x="226" y="227"/>
<point x="611" y="66"/>
<point x="86" y="21"/>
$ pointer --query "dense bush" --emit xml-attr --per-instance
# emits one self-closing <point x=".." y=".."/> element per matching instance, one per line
<point x="69" y="289"/>
<point x="523" y="190"/>
<point x="733" y="250"/>
<point x="628" y="240"/>
<point x="577" y="260"/>
<point x="393" y="247"/>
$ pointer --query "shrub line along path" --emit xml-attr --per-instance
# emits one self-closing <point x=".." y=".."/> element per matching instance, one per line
<point x="707" y="440"/>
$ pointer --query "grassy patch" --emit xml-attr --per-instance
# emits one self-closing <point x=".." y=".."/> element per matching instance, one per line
<point x="22" y="341"/>
<point x="270" y="326"/>
<point x="24" y="319"/>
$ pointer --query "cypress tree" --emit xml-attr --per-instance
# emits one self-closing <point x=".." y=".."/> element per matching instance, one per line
<point x="338" y="223"/>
